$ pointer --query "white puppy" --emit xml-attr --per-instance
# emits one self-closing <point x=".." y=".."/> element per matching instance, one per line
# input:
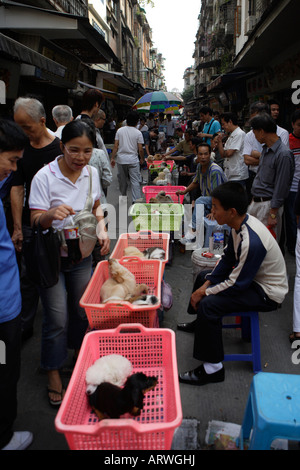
<point x="112" y="368"/>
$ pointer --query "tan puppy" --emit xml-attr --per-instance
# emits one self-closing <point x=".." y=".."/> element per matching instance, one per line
<point x="133" y="251"/>
<point x="121" y="285"/>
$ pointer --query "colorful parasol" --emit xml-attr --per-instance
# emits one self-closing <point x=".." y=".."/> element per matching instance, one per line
<point x="157" y="101"/>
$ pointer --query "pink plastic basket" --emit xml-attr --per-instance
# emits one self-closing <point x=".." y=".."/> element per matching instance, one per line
<point x="152" y="191"/>
<point x="151" y="351"/>
<point x="142" y="240"/>
<point x="111" y="314"/>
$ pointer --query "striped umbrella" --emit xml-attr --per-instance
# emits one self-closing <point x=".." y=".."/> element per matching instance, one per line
<point x="157" y="101"/>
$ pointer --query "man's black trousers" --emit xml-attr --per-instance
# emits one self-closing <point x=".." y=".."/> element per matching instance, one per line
<point x="208" y="342"/>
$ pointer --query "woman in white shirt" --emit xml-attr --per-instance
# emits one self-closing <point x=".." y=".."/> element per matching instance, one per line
<point x="59" y="191"/>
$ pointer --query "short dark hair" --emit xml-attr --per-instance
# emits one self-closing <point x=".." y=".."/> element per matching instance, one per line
<point x="229" y="117"/>
<point x="272" y="101"/>
<point x="78" y="128"/>
<point x="232" y="194"/>
<point x="12" y="136"/>
<point x="196" y="141"/>
<point x="295" y="115"/>
<point x="90" y="98"/>
<point x="264" y="122"/>
<point x="132" y="118"/>
<point x="204" y="144"/>
<point x="206" y="110"/>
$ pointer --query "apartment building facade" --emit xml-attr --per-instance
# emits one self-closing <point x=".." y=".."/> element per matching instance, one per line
<point x="56" y="49"/>
<point x="246" y="50"/>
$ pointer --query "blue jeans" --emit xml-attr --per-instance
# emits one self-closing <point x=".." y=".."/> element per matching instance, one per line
<point x="64" y="321"/>
<point x="206" y="200"/>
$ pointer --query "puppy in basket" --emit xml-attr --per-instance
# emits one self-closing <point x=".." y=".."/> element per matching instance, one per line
<point x="111" y="401"/>
<point x="122" y="286"/>
<point x="112" y="368"/>
<point x="154" y="252"/>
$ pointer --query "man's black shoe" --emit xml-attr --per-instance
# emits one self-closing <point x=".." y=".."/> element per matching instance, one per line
<point x="187" y="327"/>
<point x="198" y="376"/>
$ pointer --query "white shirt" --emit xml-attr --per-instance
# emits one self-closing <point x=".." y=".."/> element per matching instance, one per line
<point x="50" y="188"/>
<point x="58" y="131"/>
<point x="128" y="137"/>
<point x="235" y="168"/>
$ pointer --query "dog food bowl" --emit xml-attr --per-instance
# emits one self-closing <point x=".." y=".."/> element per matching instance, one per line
<point x="111" y="314"/>
<point x="151" y="351"/>
<point x="142" y="240"/>
<point x="152" y="191"/>
<point x="161" y="217"/>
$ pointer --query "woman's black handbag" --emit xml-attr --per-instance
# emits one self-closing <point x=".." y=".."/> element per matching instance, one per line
<point x="42" y="256"/>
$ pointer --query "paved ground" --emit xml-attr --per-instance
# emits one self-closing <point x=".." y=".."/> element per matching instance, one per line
<point x="221" y="402"/>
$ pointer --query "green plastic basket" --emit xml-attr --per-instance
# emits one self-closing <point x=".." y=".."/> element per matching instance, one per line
<point x="152" y="168"/>
<point x="160" y="217"/>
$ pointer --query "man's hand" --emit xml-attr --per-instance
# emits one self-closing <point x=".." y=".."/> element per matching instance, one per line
<point x="113" y="163"/>
<point x="198" y="294"/>
<point x="17" y="239"/>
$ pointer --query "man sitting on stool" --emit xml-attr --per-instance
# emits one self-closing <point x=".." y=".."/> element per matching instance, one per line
<point x="250" y="276"/>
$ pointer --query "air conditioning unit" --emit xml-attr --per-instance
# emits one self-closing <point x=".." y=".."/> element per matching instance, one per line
<point x="249" y="24"/>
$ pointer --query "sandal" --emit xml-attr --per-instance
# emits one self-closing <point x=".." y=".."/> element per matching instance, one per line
<point x="55" y="402"/>
<point x="293" y="337"/>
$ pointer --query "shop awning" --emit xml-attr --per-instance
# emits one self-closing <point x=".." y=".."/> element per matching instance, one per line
<point x="18" y="52"/>
<point x="125" y="99"/>
<point x="72" y="33"/>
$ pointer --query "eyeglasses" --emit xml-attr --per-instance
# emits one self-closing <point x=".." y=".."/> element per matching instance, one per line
<point x="73" y="152"/>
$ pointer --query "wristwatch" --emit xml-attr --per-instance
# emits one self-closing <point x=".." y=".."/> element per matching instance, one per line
<point x="273" y="216"/>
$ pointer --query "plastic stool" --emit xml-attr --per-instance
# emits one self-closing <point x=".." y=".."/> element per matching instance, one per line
<point x="272" y="411"/>
<point x="250" y="330"/>
<point x="209" y="225"/>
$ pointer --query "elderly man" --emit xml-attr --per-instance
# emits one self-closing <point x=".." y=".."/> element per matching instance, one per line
<point x="274" y="176"/>
<point x="61" y="114"/>
<point x="42" y="148"/>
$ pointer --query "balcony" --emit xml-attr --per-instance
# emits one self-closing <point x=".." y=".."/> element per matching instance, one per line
<point x="249" y="24"/>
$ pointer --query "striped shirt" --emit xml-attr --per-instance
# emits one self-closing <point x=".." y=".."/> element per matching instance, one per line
<point x="208" y="181"/>
<point x="295" y="148"/>
<point x="252" y="254"/>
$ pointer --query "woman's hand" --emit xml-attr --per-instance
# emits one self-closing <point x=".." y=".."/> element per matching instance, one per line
<point x="61" y="212"/>
<point x="104" y="242"/>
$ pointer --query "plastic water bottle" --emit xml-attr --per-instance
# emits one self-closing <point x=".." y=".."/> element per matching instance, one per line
<point x="218" y="235"/>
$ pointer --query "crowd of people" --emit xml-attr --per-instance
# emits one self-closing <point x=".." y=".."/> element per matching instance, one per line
<point x="249" y="181"/>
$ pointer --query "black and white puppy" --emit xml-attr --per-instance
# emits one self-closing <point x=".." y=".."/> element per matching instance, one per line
<point x="154" y="252"/>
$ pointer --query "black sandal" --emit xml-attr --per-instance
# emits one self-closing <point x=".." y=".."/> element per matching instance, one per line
<point x="55" y="402"/>
<point x="293" y="338"/>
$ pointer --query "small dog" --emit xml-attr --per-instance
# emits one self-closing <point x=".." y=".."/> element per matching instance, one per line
<point x="153" y="252"/>
<point x="162" y="178"/>
<point x="133" y="251"/>
<point x="121" y="285"/>
<point x="161" y="197"/>
<point x="111" y="401"/>
<point x="112" y="368"/>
